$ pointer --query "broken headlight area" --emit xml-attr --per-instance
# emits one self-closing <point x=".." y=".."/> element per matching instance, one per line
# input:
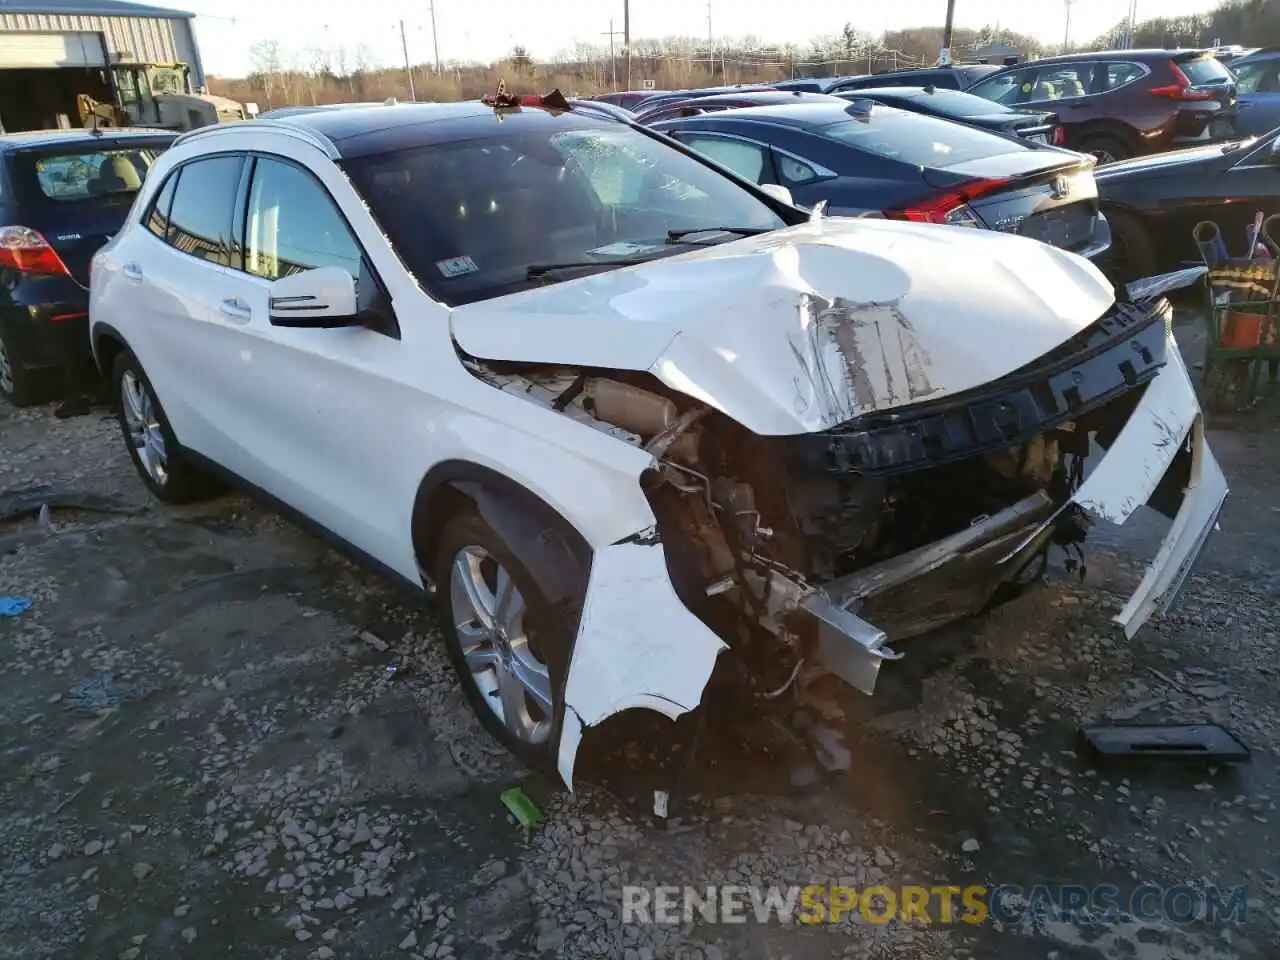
<point x="825" y="548"/>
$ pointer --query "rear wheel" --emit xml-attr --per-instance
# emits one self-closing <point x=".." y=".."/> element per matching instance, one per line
<point x="17" y="384"/>
<point x="164" y="466"/>
<point x="1106" y="149"/>
<point x="1133" y="253"/>
<point x="499" y="632"/>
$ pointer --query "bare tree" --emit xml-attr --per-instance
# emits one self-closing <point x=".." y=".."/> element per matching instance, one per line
<point x="264" y="57"/>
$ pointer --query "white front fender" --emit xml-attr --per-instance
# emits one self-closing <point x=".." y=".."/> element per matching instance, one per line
<point x="638" y="645"/>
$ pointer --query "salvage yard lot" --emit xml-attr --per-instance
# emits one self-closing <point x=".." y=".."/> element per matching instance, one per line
<point x="218" y="738"/>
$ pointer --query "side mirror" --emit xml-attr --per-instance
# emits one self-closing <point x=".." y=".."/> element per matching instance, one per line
<point x="322" y="298"/>
<point x="778" y="192"/>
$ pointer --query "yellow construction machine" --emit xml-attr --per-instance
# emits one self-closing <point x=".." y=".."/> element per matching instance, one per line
<point x="158" y="95"/>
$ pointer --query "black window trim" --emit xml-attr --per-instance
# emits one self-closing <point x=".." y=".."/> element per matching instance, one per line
<point x="390" y="322"/>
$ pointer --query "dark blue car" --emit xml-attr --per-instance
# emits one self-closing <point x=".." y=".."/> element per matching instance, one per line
<point x="864" y="158"/>
<point x="63" y="193"/>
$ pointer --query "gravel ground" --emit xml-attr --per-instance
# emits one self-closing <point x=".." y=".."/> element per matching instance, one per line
<point x="220" y="738"/>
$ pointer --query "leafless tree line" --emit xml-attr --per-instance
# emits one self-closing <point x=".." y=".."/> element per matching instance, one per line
<point x="314" y="75"/>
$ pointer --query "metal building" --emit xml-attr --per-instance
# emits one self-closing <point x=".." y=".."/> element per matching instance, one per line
<point x="51" y="34"/>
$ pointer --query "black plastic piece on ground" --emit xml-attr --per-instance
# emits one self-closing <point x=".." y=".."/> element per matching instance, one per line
<point x="1177" y="741"/>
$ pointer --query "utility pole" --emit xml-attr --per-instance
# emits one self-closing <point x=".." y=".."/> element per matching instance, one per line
<point x="945" y="57"/>
<point x="408" y="71"/>
<point x="1066" y="31"/>
<point x="626" y="37"/>
<point x="613" y="60"/>
<point x="435" y="41"/>
<point x="711" y="43"/>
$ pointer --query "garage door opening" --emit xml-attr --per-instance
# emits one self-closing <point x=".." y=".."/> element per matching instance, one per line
<point x="46" y="99"/>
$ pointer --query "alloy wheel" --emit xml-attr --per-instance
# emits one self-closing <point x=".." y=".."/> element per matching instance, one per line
<point x="7" y="383"/>
<point x="491" y="621"/>
<point x="143" y="424"/>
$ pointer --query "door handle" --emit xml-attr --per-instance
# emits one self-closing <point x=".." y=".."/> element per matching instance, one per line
<point x="132" y="271"/>
<point x="236" y="309"/>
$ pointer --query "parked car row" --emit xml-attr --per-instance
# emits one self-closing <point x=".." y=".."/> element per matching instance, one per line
<point x="642" y="429"/>
<point x="1112" y="104"/>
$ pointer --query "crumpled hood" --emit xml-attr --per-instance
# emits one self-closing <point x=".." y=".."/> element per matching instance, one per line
<point x="804" y="328"/>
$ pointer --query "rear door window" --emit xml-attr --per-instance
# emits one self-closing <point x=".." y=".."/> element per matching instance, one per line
<point x="1063" y="82"/>
<point x="203" y="203"/>
<point x="917" y="139"/>
<point x="158" y="218"/>
<point x="1112" y="76"/>
<point x="748" y="160"/>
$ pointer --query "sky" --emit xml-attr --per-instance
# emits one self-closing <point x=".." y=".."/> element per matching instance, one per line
<point x="477" y="30"/>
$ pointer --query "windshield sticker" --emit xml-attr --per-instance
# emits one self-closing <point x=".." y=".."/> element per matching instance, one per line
<point x="456" y="266"/>
<point x="623" y="248"/>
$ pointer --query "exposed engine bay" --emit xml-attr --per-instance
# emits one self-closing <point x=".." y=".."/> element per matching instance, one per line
<point x="825" y="547"/>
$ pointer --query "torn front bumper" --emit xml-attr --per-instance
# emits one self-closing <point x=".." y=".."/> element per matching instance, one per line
<point x="935" y="583"/>
<point x="1166" y="422"/>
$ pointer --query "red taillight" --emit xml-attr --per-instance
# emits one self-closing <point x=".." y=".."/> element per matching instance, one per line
<point x="1059" y="136"/>
<point x="26" y="251"/>
<point x="1181" y="88"/>
<point x="937" y="209"/>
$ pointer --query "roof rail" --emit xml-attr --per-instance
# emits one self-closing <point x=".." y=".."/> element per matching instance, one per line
<point x="310" y="137"/>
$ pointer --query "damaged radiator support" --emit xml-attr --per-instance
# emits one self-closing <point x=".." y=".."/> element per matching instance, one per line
<point x="964" y="568"/>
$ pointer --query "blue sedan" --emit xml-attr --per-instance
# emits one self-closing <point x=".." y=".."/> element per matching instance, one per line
<point x="865" y="158"/>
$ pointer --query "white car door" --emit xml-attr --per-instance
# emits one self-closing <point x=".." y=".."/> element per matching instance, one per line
<point x="315" y="415"/>
<point x="171" y="283"/>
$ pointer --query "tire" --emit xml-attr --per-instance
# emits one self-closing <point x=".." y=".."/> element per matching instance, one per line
<point x="1133" y="253"/>
<point x="18" y="385"/>
<point x="499" y="669"/>
<point x="163" y="465"/>
<point x="1106" y="149"/>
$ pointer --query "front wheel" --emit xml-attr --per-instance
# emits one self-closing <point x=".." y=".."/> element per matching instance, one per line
<point x="163" y="465"/>
<point x="501" y="635"/>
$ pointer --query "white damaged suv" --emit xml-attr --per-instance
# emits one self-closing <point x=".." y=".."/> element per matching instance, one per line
<point x="632" y="419"/>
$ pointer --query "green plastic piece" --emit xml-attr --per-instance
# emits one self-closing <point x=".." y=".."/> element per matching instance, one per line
<point x="522" y="808"/>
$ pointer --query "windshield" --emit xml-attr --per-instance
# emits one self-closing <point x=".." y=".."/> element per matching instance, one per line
<point x="470" y="218"/>
<point x="919" y="140"/>
<point x="105" y="175"/>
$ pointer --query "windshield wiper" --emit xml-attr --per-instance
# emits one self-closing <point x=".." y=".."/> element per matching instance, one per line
<point x="540" y="271"/>
<point x="678" y="236"/>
